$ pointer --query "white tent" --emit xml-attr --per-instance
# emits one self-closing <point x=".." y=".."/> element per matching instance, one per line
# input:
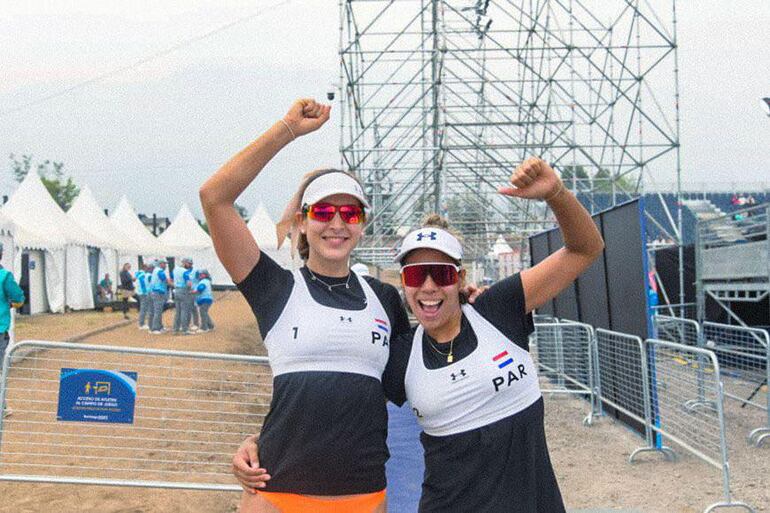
<point x="500" y="247"/>
<point x="41" y="225"/>
<point x="125" y="220"/>
<point x="9" y="251"/>
<point x="185" y="238"/>
<point x="263" y="229"/>
<point x="87" y="213"/>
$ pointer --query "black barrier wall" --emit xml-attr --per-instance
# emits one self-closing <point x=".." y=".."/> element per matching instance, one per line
<point x="612" y="293"/>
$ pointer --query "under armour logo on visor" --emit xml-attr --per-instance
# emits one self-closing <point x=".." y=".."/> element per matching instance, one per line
<point x="431" y="236"/>
<point x="343" y="319"/>
<point x="459" y="375"/>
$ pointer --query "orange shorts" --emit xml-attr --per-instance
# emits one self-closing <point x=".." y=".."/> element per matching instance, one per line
<point x="295" y="503"/>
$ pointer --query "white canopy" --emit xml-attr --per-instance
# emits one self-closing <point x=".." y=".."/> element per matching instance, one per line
<point x="125" y="219"/>
<point x="501" y="246"/>
<point x="186" y="238"/>
<point x="87" y="214"/>
<point x="7" y="231"/>
<point x="41" y="224"/>
<point x="184" y="233"/>
<point x="262" y="228"/>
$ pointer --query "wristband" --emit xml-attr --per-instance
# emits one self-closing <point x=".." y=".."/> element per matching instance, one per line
<point x="289" y="129"/>
<point x="553" y="196"/>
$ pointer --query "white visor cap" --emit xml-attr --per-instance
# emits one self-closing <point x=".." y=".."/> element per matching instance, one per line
<point x="431" y="238"/>
<point x="331" y="184"/>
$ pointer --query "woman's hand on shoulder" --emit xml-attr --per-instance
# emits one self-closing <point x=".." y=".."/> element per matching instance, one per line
<point x="246" y="466"/>
<point x="305" y="116"/>
<point x="473" y="291"/>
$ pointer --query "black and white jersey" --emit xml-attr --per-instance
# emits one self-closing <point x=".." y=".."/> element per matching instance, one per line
<point x="482" y="414"/>
<point x="326" y="430"/>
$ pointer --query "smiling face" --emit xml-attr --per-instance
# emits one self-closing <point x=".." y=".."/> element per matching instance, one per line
<point x="436" y="308"/>
<point x="331" y="243"/>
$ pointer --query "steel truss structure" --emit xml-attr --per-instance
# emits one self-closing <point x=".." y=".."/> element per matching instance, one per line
<point x="442" y="99"/>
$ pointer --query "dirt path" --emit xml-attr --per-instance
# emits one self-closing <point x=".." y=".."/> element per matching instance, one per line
<point x="591" y="463"/>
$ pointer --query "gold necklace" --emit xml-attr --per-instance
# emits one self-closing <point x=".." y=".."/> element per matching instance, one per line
<point x="449" y="356"/>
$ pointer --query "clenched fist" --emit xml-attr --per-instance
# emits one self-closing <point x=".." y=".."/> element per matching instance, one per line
<point x="533" y="179"/>
<point x="305" y="116"/>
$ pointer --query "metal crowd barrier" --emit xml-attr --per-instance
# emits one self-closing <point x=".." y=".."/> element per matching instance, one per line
<point x="564" y="355"/>
<point x="676" y="329"/>
<point x="744" y="355"/>
<point x="675" y="379"/>
<point x="623" y="380"/>
<point x="686" y="332"/>
<point x="191" y="412"/>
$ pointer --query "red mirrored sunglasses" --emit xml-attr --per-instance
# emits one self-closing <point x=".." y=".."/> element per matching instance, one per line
<point x="442" y="274"/>
<point x="324" y="212"/>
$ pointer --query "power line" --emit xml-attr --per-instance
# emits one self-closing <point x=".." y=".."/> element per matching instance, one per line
<point x="144" y="60"/>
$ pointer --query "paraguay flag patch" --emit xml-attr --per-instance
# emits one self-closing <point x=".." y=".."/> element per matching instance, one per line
<point x="504" y="362"/>
<point x="383" y="325"/>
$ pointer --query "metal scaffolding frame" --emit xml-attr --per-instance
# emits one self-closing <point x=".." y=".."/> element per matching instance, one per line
<point x="442" y="99"/>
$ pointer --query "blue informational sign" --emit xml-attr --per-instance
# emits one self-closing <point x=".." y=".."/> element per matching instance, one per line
<point x="91" y="395"/>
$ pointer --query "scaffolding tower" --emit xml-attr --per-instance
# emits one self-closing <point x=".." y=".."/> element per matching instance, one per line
<point x="442" y="99"/>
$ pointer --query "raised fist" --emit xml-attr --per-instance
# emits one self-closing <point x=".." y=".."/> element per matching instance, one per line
<point x="305" y="116"/>
<point x="533" y="179"/>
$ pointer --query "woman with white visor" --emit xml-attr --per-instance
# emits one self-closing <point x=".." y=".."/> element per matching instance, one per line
<point x="466" y="370"/>
<point x="327" y="332"/>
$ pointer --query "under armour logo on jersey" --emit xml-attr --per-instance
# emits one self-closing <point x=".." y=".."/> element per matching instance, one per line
<point x="458" y="376"/>
<point x="343" y="318"/>
<point x="431" y="236"/>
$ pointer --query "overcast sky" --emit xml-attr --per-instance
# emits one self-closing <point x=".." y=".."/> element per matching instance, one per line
<point x="155" y="131"/>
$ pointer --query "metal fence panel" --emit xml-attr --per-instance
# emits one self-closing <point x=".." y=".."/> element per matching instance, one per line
<point x="676" y="329"/>
<point x="564" y="355"/>
<point x="677" y="372"/>
<point x="744" y="356"/>
<point x="192" y="411"/>
<point x="621" y="373"/>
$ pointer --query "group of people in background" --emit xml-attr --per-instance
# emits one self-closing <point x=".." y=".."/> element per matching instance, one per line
<point x="153" y="285"/>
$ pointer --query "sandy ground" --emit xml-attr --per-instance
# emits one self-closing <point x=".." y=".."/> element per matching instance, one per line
<point x="591" y="462"/>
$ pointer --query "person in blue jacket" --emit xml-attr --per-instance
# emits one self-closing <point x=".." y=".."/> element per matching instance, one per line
<point x="142" y="278"/>
<point x="159" y="282"/>
<point x="11" y="296"/>
<point x="183" y="298"/>
<point x="204" y="298"/>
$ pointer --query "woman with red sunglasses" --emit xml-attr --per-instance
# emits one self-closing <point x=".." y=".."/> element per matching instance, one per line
<point x="327" y="332"/>
<point x="466" y="371"/>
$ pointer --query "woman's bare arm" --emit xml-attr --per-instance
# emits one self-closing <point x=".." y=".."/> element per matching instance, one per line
<point x="534" y="179"/>
<point x="233" y="242"/>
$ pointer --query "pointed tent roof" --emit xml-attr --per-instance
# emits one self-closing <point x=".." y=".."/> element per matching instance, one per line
<point x="501" y="246"/>
<point x="184" y="234"/>
<point x="87" y="213"/>
<point x="124" y="217"/>
<point x="40" y="222"/>
<point x="262" y="228"/>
